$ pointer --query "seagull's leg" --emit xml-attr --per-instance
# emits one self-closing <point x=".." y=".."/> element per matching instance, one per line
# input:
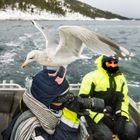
<point x="61" y="75"/>
<point x="54" y="74"/>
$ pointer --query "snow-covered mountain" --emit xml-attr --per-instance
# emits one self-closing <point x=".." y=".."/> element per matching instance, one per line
<point x="52" y="10"/>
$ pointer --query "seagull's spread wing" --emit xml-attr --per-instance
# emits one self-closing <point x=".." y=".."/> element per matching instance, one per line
<point x="71" y="38"/>
<point x="118" y="49"/>
<point x="50" y="41"/>
<point x="69" y="44"/>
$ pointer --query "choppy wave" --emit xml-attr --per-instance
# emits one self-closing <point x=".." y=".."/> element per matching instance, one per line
<point x="20" y="37"/>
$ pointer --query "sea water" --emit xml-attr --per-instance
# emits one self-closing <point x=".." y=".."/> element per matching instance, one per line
<point x="17" y="38"/>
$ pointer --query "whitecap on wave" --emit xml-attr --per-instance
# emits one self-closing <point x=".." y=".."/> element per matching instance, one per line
<point x="11" y="43"/>
<point x="7" y="58"/>
<point x="25" y="36"/>
<point x="133" y="84"/>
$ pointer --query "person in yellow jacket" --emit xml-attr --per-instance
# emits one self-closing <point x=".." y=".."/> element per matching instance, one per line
<point x="109" y="84"/>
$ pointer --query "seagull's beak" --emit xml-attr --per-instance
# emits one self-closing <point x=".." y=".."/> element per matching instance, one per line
<point x="23" y="65"/>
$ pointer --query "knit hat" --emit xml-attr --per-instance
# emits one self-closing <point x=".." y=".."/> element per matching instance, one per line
<point x="110" y="69"/>
<point x="45" y="89"/>
<point x="107" y="58"/>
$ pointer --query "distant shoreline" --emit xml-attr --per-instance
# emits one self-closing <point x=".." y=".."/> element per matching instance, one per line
<point x="19" y="15"/>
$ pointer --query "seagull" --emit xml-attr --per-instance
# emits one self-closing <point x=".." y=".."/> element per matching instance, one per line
<point x="72" y="41"/>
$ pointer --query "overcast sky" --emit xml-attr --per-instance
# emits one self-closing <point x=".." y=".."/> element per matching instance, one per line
<point x="128" y="8"/>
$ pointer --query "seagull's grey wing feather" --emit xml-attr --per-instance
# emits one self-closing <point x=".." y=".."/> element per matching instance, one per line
<point x="45" y="32"/>
<point x="118" y="49"/>
<point x="69" y="45"/>
<point x="97" y="43"/>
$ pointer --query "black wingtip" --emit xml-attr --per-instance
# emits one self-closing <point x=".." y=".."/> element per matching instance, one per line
<point x="33" y="22"/>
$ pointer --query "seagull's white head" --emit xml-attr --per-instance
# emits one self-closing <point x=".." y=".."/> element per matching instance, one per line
<point x="31" y="56"/>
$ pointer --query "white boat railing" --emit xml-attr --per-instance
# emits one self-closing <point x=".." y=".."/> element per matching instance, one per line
<point x="75" y="86"/>
<point x="10" y="86"/>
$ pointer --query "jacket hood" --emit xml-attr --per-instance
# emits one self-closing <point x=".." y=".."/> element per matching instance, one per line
<point x="98" y="62"/>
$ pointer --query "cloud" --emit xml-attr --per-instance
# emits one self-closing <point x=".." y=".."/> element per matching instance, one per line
<point x="128" y="8"/>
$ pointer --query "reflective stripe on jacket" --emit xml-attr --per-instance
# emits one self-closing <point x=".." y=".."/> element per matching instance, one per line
<point x="70" y="118"/>
<point x="112" y="88"/>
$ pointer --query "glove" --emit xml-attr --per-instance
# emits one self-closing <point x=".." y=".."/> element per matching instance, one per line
<point x="94" y="104"/>
<point x="108" y="110"/>
<point x="107" y="120"/>
<point x="67" y="97"/>
<point x="73" y="105"/>
<point x="119" y="125"/>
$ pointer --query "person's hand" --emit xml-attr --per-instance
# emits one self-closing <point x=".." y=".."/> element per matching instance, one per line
<point x="119" y="124"/>
<point x="108" y="118"/>
<point x="67" y="97"/>
<point x="108" y="110"/>
<point x="108" y="121"/>
<point x="73" y="105"/>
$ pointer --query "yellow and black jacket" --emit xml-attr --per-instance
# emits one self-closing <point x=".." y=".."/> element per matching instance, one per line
<point x="112" y="88"/>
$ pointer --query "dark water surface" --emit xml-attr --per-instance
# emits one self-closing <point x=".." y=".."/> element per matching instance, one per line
<point x="17" y="38"/>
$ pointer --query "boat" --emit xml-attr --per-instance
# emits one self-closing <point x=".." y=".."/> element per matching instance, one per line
<point x="11" y="93"/>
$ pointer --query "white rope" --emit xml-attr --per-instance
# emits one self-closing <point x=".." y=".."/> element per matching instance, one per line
<point x="26" y="129"/>
<point x="46" y="117"/>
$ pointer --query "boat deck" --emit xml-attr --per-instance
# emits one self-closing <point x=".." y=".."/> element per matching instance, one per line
<point x="11" y="93"/>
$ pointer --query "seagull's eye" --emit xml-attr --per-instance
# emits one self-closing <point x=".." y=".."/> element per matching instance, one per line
<point x="31" y="57"/>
